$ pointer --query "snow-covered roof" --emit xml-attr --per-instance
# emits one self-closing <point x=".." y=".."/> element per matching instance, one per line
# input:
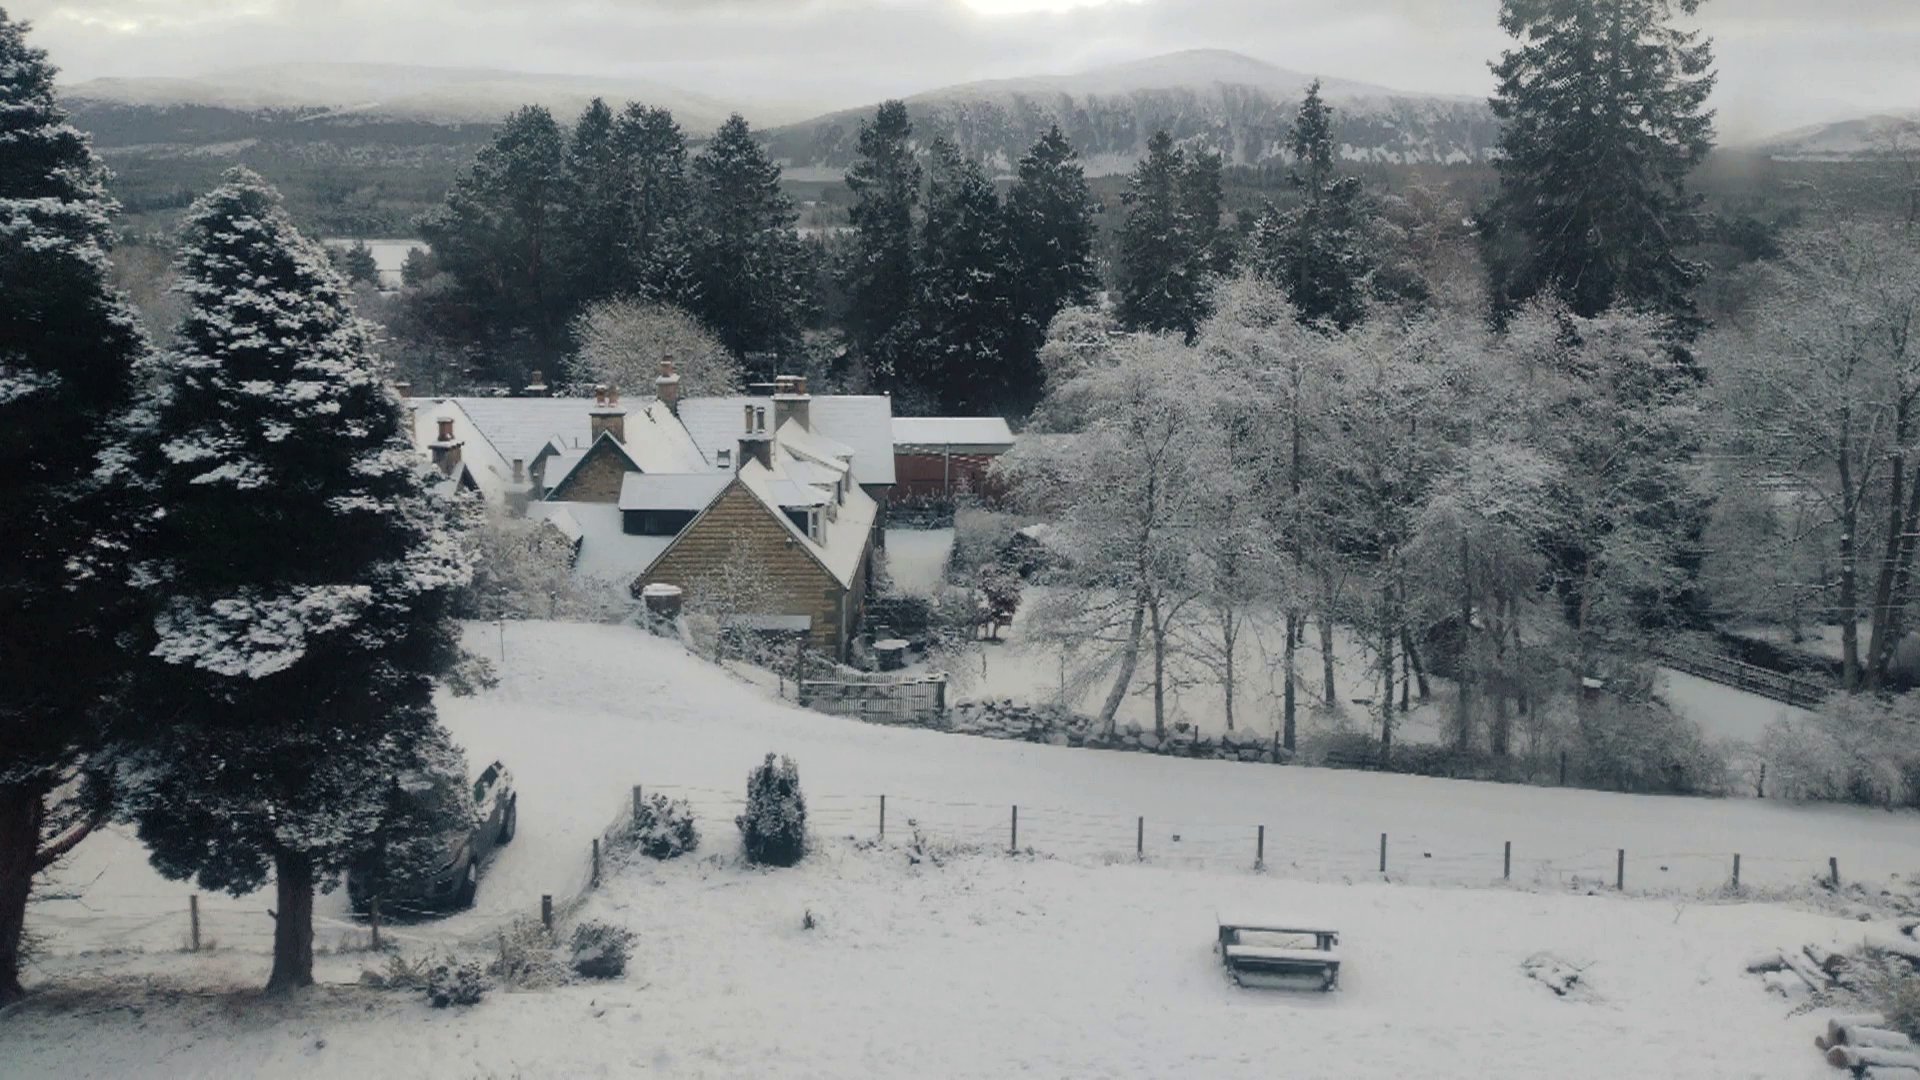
<point x="809" y="445"/>
<point x="606" y="550"/>
<point x="844" y="533"/>
<point x="498" y="430"/>
<point x="951" y="431"/>
<point x="561" y="466"/>
<point x="862" y="423"/>
<point x="672" y="491"/>
<point x="563" y="521"/>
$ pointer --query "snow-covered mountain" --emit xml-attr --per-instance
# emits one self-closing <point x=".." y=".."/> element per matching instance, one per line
<point x="405" y="93"/>
<point x="1848" y="140"/>
<point x="1222" y="100"/>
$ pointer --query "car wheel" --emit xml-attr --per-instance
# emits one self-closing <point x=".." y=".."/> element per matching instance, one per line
<point x="468" y="888"/>
<point x="510" y="823"/>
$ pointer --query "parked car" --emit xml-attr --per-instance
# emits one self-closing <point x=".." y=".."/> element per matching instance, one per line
<point x="455" y="879"/>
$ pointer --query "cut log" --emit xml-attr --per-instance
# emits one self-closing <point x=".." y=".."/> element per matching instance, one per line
<point x="1840" y="1020"/>
<point x="1765" y="962"/>
<point x="1905" y="948"/>
<point x="1827" y="960"/>
<point x="1891" y="1072"/>
<point x="1854" y="1057"/>
<point x="1858" y="1035"/>
<point x="1820" y="1042"/>
<point x="1815" y="978"/>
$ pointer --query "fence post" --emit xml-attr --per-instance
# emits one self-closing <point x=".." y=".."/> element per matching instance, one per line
<point x="1383" y="853"/>
<point x="193" y="916"/>
<point x="373" y="921"/>
<point x="1013" y="836"/>
<point x="883" y="817"/>
<point x="1140" y="837"/>
<point x="1833" y="871"/>
<point x="1761" y="791"/>
<point x="546" y="911"/>
<point x="1620" y="871"/>
<point x="1736" y="870"/>
<point x="1260" y="849"/>
<point x="636" y="806"/>
<point x="1563" y="768"/>
<point x="1506" y="867"/>
<point x="596" y="862"/>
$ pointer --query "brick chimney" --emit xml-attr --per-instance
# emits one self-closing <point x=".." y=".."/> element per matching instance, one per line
<point x="608" y="414"/>
<point x="755" y="443"/>
<point x="446" y="448"/>
<point x="519" y="470"/>
<point x="404" y="389"/>
<point x="790" y="401"/>
<point x="537" y="384"/>
<point x="667" y="386"/>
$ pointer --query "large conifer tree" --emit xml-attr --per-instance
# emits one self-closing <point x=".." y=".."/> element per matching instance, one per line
<point x="750" y="267"/>
<point x="1603" y="106"/>
<point x="885" y="182"/>
<point x="299" y="577"/>
<point x="1049" y="214"/>
<point x="656" y="221"/>
<point x="1171" y="245"/>
<point x="1316" y="251"/>
<point x="963" y="314"/>
<point x="593" y="201"/>
<point x="68" y="350"/>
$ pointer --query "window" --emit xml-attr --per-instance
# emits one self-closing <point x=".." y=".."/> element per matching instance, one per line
<point x="760" y="420"/>
<point x="724" y="459"/>
<point x="815" y="526"/>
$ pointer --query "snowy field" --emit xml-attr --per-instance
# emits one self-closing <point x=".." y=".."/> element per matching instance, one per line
<point x="1075" y="961"/>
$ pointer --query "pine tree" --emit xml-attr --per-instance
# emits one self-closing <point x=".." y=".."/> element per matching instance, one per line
<point x="69" y="347"/>
<point x="1171" y="246"/>
<point x="593" y="200"/>
<point x="299" y="577"/>
<point x="963" y="312"/>
<point x="500" y="237"/>
<point x="879" y="270"/>
<point x="1316" y="251"/>
<point x="749" y="263"/>
<point x="1603" y="107"/>
<point x="656" y="219"/>
<point x="357" y="265"/>
<point x="1049" y="213"/>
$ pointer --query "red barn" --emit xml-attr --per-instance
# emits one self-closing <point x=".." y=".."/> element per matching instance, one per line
<point x="935" y="457"/>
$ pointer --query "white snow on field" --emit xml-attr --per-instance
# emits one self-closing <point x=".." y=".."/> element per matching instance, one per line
<point x="917" y="559"/>
<point x="1076" y="965"/>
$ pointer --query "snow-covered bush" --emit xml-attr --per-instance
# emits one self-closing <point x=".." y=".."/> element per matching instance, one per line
<point x="1642" y="746"/>
<point x="1857" y="749"/>
<point x="773" y="830"/>
<point x="522" y="569"/>
<point x="979" y="538"/>
<point x="600" y="950"/>
<point x="528" y="957"/>
<point x="455" y="982"/>
<point x="663" y="828"/>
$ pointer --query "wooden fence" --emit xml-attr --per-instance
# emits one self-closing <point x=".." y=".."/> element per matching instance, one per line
<point x="1788" y="689"/>
<point x="901" y="701"/>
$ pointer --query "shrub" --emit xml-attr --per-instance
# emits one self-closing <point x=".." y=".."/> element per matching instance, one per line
<point x="663" y="828"/>
<point x="527" y="957"/>
<point x="774" y="827"/>
<point x="1641" y="746"/>
<point x="404" y="974"/>
<point x="452" y="982"/>
<point x="600" y="950"/>
<point x="1858" y="748"/>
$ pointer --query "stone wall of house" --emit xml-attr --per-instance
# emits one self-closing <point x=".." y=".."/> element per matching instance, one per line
<point x="1058" y="727"/>
<point x="739" y="522"/>
<point x="598" y="478"/>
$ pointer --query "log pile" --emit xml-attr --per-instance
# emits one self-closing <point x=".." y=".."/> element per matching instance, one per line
<point x="1863" y="1044"/>
<point x="1811" y="969"/>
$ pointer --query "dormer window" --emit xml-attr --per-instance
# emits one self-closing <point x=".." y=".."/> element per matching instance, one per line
<point x="723" y="458"/>
<point x="815" y="526"/>
<point x="760" y="420"/>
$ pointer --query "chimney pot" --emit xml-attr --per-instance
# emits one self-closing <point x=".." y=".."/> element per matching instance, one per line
<point x="404" y="389"/>
<point x="667" y="386"/>
<point x="607" y="416"/>
<point x="519" y="470"/>
<point x="537" y="385"/>
<point x="446" y="428"/>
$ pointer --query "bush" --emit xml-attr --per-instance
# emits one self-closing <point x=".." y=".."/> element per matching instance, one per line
<point x="527" y="957"/>
<point x="1857" y="749"/>
<point x="663" y="828"/>
<point x="1641" y="746"/>
<point x="774" y="827"/>
<point x="452" y="982"/>
<point x="979" y="539"/>
<point x="600" y="950"/>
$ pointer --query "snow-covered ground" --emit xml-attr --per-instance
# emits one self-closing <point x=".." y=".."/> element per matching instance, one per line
<point x="917" y="559"/>
<point x="1075" y="961"/>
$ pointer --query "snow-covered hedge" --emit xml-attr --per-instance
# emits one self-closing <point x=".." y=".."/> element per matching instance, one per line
<point x="600" y="950"/>
<point x="663" y="828"/>
<point x="1857" y="749"/>
<point x="773" y="830"/>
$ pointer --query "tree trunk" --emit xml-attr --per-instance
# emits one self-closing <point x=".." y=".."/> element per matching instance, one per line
<point x="1894" y="614"/>
<point x="1849" y="578"/>
<point x="1159" y="668"/>
<point x="22" y="806"/>
<point x="1129" y="660"/>
<point x="1386" y="677"/>
<point x="1463" y="673"/>
<point x="292" y="923"/>
<point x="1326" y="661"/>
<point x="1879" y="641"/>
<point x="1229" y="633"/>
<point x="1290" y="694"/>
<point x="1413" y="663"/>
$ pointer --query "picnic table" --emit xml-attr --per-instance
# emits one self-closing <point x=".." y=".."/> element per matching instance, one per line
<point x="1278" y="946"/>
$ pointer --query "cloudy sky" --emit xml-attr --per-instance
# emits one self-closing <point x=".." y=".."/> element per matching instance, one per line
<point x="1782" y="62"/>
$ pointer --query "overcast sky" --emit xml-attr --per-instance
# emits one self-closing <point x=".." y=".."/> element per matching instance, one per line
<point x="1782" y="62"/>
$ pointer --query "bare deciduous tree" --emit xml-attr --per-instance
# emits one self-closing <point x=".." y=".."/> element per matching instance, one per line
<point x="622" y="341"/>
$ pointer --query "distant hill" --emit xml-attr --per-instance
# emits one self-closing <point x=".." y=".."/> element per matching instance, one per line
<point x="1221" y="100"/>
<point x="401" y="93"/>
<point x="1861" y="138"/>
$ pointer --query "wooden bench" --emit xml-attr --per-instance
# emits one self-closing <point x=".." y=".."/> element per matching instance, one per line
<point x="1243" y="957"/>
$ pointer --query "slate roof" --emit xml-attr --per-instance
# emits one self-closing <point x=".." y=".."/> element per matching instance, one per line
<point x="862" y="423"/>
<point x="937" y="431"/>
<point x="673" y="491"/>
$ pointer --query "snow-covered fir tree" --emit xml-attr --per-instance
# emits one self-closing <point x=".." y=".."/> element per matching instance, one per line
<point x="878" y="273"/>
<point x="1049" y="214"/>
<point x="1171" y="244"/>
<point x="750" y="265"/>
<point x="1315" y="251"/>
<point x="963" y="355"/>
<point x="69" y="347"/>
<point x="298" y="572"/>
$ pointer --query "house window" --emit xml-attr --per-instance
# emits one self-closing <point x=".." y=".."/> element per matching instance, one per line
<point x="760" y="420"/>
<point x="815" y="526"/>
<point x="724" y="459"/>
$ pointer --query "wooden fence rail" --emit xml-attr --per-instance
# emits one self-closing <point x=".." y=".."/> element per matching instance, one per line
<point x="1787" y="689"/>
